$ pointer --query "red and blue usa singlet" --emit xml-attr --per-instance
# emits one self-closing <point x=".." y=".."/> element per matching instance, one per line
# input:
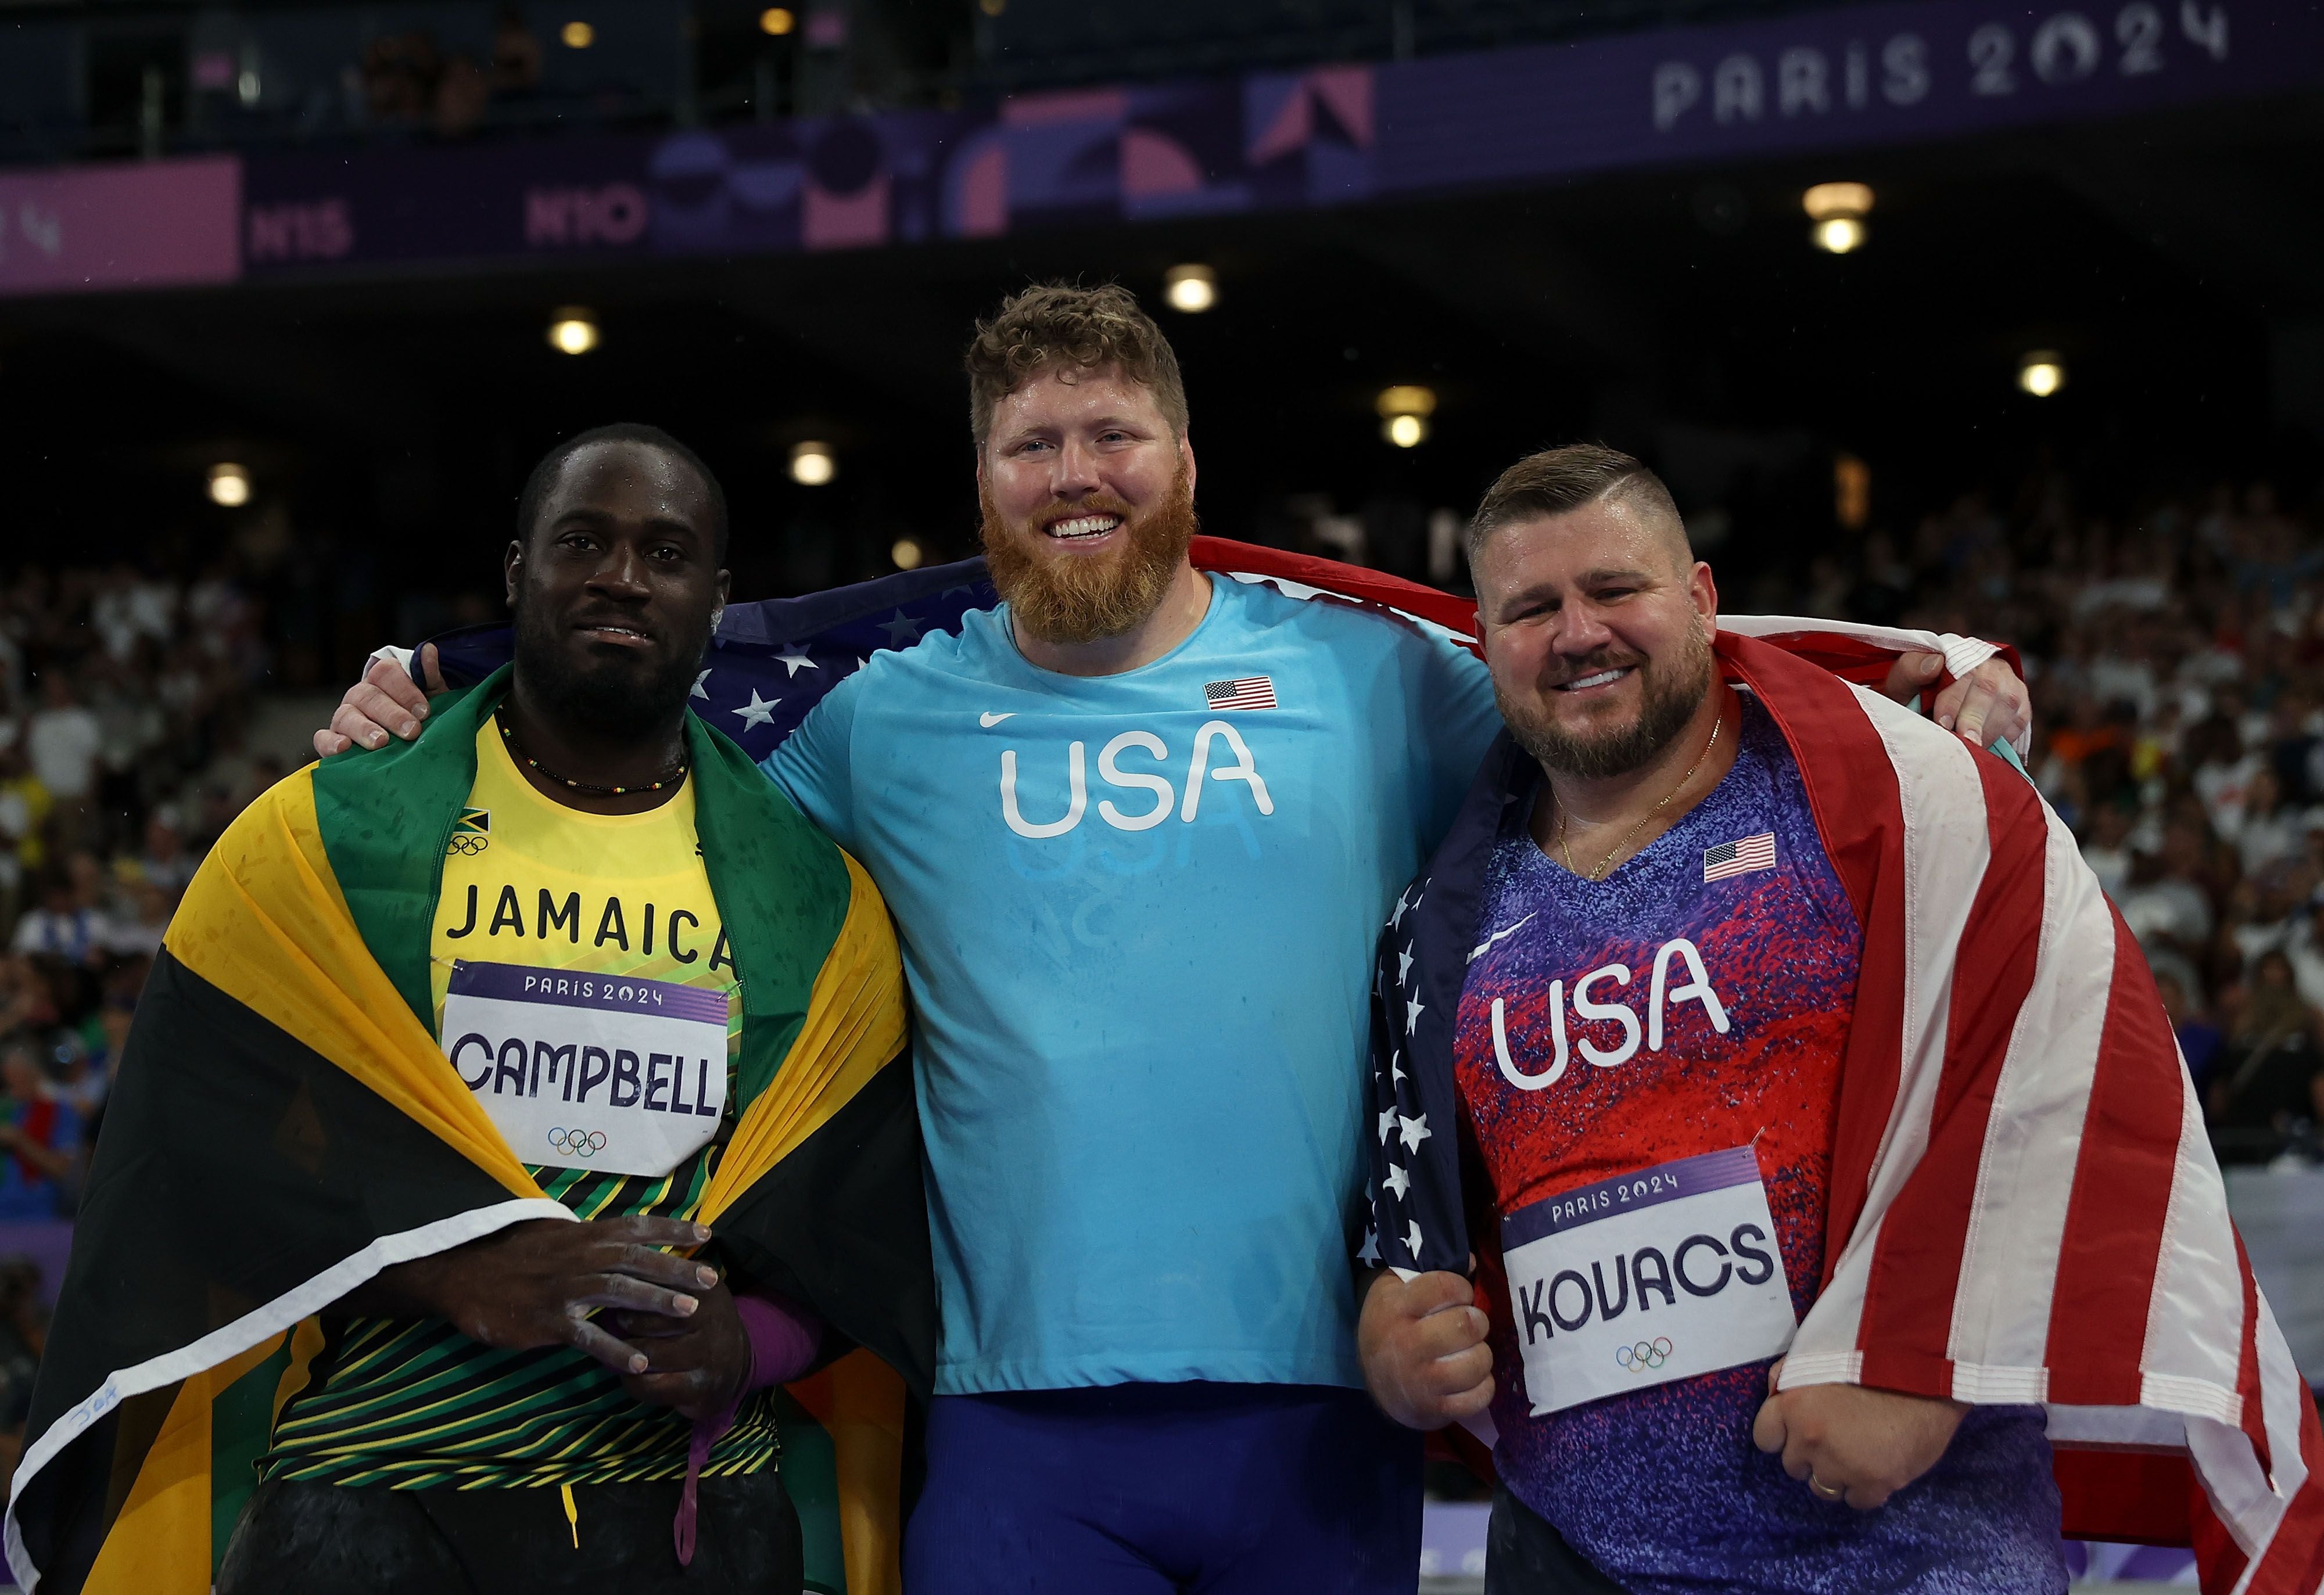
<point x="1641" y="1059"/>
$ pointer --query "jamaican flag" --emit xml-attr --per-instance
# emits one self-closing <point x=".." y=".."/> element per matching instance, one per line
<point x="284" y="1126"/>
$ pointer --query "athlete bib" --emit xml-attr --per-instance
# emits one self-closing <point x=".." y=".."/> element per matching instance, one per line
<point x="1653" y="1276"/>
<point x="589" y="1071"/>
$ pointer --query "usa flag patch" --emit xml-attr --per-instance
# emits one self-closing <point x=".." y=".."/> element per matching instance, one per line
<point x="1250" y="692"/>
<point x="1739" y="858"/>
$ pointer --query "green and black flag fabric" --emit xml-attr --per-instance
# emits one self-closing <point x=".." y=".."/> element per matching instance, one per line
<point x="284" y="1126"/>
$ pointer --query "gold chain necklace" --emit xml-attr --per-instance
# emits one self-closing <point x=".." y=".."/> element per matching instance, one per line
<point x="1600" y="874"/>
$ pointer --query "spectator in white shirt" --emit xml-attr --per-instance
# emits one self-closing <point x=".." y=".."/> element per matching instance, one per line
<point x="63" y="926"/>
<point x="63" y="742"/>
<point x="165" y="862"/>
<point x="2223" y="772"/>
<point x="2273" y="827"/>
<point x="2105" y="848"/>
<point x="2169" y="904"/>
<point x="128" y="610"/>
<point x="141" y="936"/>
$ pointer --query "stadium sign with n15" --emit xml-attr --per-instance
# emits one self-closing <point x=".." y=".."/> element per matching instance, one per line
<point x="307" y="211"/>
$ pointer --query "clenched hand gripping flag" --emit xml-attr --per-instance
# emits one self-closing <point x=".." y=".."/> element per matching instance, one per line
<point x="284" y="1126"/>
<point x="2024" y="1207"/>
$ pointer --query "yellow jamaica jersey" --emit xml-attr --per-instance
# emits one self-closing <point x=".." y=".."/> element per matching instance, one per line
<point x="587" y="918"/>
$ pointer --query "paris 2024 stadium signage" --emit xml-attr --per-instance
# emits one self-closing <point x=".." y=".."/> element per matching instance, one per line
<point x="1848" y="77"/>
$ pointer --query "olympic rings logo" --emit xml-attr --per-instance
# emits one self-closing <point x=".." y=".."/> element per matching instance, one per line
<point x="467" y="846"/>
<point x="1645" y="1356"/>
<point x="578" y="1143"/>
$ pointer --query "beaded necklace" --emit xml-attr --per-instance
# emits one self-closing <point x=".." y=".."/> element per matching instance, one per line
<point x="588" y="788"/>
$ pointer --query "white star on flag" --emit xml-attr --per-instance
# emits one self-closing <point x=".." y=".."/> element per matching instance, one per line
<point x="1404" y="964"/>
<point x="793" y="659"/>
<point x="902" y="630"/>
<point x="1370" y="1253"/>
<point x="1396" y="1066"/>
<point x="1412" y="1240"/>
<point x="1388" y="1123"/>
<point x="1413" y="1130"/>
<point x="1397" y="1181"/>
<point x="1396" y="919"/>
<point x="698" y="690"/>
<point x="757" y="712"/>
<point x="1412" y="1011"/>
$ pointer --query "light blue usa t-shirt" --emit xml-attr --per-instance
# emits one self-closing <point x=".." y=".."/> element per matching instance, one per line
<point x="1138" y="915"/>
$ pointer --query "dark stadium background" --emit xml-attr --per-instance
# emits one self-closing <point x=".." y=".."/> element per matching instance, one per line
<point x="1682" y="315"/>
<point x="1678" y="311"/>
<point x="2163" y="235"/>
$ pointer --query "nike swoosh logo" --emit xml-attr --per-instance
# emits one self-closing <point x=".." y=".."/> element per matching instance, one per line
<point x="1500" y="935"/>
<point x="989" y="721"/>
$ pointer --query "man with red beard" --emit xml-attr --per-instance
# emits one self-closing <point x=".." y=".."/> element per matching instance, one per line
<point x="1135" y="827"/>
<point x="1137" y="961"/>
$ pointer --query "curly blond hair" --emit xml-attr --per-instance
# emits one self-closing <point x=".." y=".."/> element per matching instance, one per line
<point x="1051" y="326"/>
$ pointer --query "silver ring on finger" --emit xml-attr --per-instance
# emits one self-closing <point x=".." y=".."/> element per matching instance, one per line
<point x="1827" y="1493"/>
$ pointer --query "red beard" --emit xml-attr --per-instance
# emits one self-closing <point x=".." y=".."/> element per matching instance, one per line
<point x="1067" y="598"/>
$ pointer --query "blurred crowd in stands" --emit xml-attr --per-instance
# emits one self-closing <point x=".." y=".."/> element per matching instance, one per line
<point x="124" y="698"/>
<point x="2176" y="657"/>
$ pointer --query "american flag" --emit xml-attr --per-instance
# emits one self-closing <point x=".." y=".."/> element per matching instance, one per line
<point x="1739" y="858"/>
<point x="2023" y="1205"/>
<point x="772" y="660"/>
<point x="1250" y="692"/>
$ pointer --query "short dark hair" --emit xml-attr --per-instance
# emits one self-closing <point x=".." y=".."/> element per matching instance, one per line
<point x="536" y="485"/>
<point x="1056" y="324"/>
<point x="1557" y="480"/>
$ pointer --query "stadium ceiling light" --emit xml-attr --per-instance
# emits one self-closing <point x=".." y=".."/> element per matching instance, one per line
<point x="2042" y="372"/>
<point x="778" y="20"/>
<point x="229" y="486"/>
<point x="1190" y="288"/>
<point x="1838" y="236"/>
<point x="573" y="330"/>
<point x="1826" y="199"/>
<point x="577" y="35"/>
<point x="1404" y="412"/>
<point x="1838" y="211"/>
<point x="812" y="464"/>
<point x="1851" y="491"/>
<point x="907" y="554"/>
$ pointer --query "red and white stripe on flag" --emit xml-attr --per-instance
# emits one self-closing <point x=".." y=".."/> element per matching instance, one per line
<point x="2024" y="1207"/>
<point x="1247" y="692"/>
<point x="1739" y="858"/>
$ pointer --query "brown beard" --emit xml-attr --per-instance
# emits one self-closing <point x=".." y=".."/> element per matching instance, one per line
<point x="1671" y="697"/>
<point x="1069" y="598"/>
